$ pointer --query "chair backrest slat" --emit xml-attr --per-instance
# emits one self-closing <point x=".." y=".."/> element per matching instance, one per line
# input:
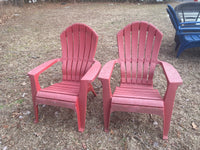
<point x="69" y="37"/>
<point x="76" y="41"/>
<point x="79" y="44"/>
<point x="121" y="55"/>
<point x="134" y="47"/>
<point x="127" y="40"/>
<point x="94" y="39"/>
<point x="87" y="50"/>
<point x="64" y="55"/>
<point x="155" y="51"/>
<point x="82" y="41"/>
<point x="148" y="54"/>
<point x="138" y="45"/>
<point x="141" y="51"/>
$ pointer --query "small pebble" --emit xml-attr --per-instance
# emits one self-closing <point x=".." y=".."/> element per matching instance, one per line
<point x="24" y="94"/>
<point x="155" y="144"/>
<point x="16" y="14"/>
<point x="21" y="117"/>
<point x="56" y="114"/>
<point x="5" y="148"/>
<point x="155" y="123"/>
<point x="24" y="83"/>
<point x="27" y="112"/>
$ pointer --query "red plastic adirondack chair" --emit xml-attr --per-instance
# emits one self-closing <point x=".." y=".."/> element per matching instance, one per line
<point x="79" y="69"/>
<point x="138" y="46"/>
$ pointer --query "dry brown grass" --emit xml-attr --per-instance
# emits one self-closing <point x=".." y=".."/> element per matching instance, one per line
<point x="7" y="12"/>
<point x="32" y="37"/>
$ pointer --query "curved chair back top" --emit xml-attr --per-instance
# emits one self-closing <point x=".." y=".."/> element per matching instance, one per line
<point x="79" y="44"/>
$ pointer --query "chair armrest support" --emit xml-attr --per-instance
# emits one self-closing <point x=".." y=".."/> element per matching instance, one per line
<point x="174" y="80"/>
<point x="89" y="77"/>
<point x="104" y="77"/>
<point x="34" y="74"/>
<point x="171" y="73"/>
<point x="92" y="73"/>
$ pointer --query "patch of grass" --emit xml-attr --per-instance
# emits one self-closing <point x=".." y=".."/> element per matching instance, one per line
<point x="1" y="106"/>
<point x="19" y="101"/>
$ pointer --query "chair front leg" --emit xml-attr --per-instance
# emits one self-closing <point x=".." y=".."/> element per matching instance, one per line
<point x="168" y="108"/>
<point x="107" y="96"/>
<point x="35" y="86"/>
<point x="82" y="106"/>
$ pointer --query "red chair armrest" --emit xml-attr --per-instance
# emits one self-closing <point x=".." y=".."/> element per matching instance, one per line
<point x="34" y="74"/>
<point x="171" y="73"/>
<point x="39" y="69"/>
<point x="107" y="69"/>
<point x="92" y="73"/>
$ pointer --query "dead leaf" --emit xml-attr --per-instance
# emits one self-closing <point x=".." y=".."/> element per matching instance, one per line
<point x="15" y="114"/>
<point x="125" y="145"/>
<point x="178" y="134"/>
<point x="84" y="146"/>
<point x="5" y="126"/>
<point x="164" y="145"/>
<point x="111" y="132"/>
<point x="194" y="126"/>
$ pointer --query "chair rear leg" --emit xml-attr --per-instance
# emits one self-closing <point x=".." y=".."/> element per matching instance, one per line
<point x="177" y="45"/>
<point x="181" y="49"/>
<point x="36" y="113"/>
<point x="92" y="89"/>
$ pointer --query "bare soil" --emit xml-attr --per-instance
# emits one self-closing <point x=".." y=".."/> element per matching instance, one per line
<point x="31" y="37"/>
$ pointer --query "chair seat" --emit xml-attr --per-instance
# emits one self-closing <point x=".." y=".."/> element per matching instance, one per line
<point x="65" y="91"/>
<point x="137" y="96"/>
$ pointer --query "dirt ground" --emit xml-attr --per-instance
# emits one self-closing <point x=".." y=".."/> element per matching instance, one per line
<point x="30" y="36"/>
